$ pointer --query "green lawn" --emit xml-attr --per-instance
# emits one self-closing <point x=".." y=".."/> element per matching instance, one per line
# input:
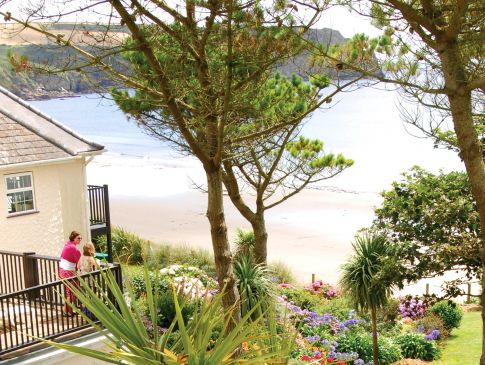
<point x="465" y="344"/>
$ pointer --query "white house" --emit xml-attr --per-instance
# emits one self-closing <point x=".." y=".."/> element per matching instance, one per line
<point x="43" y="190"/>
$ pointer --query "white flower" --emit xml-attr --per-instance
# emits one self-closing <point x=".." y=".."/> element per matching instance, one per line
<point x="171" y="271"/>
<point x="163" y="271"/>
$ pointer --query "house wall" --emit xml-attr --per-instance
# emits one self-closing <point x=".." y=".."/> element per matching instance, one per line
<point x="61" y="203"/>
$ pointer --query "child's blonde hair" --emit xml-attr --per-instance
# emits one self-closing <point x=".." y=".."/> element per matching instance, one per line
<point x="88" y="249"/>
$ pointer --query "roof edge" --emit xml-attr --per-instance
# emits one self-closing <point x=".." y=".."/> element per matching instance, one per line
<point x="48" y="118"/>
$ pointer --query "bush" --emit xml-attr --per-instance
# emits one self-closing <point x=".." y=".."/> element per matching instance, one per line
<point x="449" y="312"/>
<point x="245" y="242"/>
<point x="361" y="343"/>
<point x="282" y="272"/>
<point x="130" y="248"/>
<point x="338" y="307"/>
<point x="254" y="285"/>
<point x="127" y="246"/>
<point x="300" y="297"/>
<point x="166" y="308"/>
<point x="431" y="322"/>
<point x="415" y="346"/>
<point x="138" y="282"/>
<point x="389" y="312"/>
<point x="166" y="255"/>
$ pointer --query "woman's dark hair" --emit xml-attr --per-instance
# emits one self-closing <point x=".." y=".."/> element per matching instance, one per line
<point x="73" y="235"/>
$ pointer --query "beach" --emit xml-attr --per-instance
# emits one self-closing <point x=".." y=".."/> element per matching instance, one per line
<point x="152" y="188"/>
<point x="311" y="232"/>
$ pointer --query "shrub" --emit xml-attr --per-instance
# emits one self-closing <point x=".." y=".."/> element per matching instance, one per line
<point x="322" y="289"/>
<point x="415" y="346"/>
<point x="245" y="242"/>
<point x="130" y="248"/>
<point x="389" y="312"/>
<point x="127" y="246"/>
<point x="361" y="343"/>
<point x="300" y="297"/>
<point x="449" y="312"/>
<point x="166" y="255"/>
<point x="254" y="284"/>
<point x="431" y="322"/>
<point x="166" y="308"/>
<point x="338" y="307"/>
<point x="138" y="282"/>
<point x="282" y="273"/>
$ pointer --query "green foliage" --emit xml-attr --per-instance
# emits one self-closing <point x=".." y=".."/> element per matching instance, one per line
<point x="167" y="311"/>
<point x="361" y="343"/>
<point x="128" y="247"/>
<point x="338" y="307"/>
<point x="449" y="312"/>
<point x="245" y="242"/>
<point x="138" y="282"/>
<point x="414" y="346"/>
<point x="124" y="324"/>
<point x="254" y="285"/>
<point x="431" y="322"/>
<point x="166" y="255"/>
<point x="301" y="298"/>
<point x="434" y="222"/>
<point x="390" y="311"/>
<point x="366" y="275"/>
<point x="282" y="272"/>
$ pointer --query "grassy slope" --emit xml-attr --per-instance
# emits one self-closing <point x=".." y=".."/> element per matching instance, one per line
<point x="464" y="346"/>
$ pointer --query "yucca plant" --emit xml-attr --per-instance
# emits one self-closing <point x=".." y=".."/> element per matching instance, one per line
<point x="245" y="242"/>
<point x="130" y="342"/>
<point x="254" y="285"/>
<point x="365" y="277"/>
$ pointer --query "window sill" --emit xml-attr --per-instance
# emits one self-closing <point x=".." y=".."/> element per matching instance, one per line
<point x="19" y="214"/>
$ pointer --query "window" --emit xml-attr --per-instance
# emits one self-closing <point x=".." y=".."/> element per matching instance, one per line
<point x="20" y="193"/>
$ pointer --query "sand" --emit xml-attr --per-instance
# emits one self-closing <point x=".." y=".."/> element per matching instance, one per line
<point x="311" y="233"/>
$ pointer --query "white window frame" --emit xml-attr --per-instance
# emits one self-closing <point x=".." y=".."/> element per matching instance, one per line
<point x="18" y="190"/>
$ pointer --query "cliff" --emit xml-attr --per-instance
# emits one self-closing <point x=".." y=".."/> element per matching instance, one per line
<point x="32" y="85"/>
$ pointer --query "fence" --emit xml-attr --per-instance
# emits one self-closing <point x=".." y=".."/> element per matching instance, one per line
<point x="32" y="312"/>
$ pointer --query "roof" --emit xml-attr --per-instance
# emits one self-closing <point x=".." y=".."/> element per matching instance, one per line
<point x="28" y="135"/>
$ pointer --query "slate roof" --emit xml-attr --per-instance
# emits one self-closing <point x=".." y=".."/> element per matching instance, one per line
<point x="28" y="135"/>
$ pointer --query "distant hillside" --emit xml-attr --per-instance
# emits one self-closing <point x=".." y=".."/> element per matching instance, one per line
<point x="31" y="85"/>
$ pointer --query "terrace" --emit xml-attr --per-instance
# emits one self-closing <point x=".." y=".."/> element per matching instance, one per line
<point x="31" y="294"/>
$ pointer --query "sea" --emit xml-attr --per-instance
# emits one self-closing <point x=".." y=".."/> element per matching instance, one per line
<point x="364" y="125"/>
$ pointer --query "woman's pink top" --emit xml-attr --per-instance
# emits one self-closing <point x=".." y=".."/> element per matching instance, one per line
<point x="70" y="255"/>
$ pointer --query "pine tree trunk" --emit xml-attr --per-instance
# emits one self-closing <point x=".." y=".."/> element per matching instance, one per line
<point x="470" y="147"/>
<point x="221" y="248"/>
<point x="261" y="240"/>
<point x="375" y="348"/>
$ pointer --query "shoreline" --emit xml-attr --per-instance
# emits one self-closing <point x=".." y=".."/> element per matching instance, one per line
<point x="296" y="235"/>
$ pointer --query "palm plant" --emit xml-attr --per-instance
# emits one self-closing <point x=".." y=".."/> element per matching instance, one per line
<point x="254" y="285"/>
<point x="130" y="341"/>
<point x="366" y="277"/>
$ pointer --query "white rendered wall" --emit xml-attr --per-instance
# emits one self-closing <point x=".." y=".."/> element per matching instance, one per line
<point x="61" y="204"/>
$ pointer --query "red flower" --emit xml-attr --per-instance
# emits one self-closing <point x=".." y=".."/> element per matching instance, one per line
<point x="305" y="358"/>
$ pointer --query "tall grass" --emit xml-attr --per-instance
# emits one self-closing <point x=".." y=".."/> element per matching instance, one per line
<point x="130" y="248"/>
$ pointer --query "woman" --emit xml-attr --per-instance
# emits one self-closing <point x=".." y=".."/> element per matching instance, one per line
<point x="67" y="267"/>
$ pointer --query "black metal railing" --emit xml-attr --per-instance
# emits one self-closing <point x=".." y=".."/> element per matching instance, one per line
<point x="99" y="215"/>
<point x="29" y="312"/>
<point x="19" y="271"/>
<point x="98" y="204"/>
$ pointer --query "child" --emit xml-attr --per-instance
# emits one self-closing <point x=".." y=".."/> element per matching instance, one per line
<point x="87" y="263"/>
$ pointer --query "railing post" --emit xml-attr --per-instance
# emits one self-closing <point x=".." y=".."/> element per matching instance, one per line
<point x="31" y="273"/>
<point x="108" y="223"/>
